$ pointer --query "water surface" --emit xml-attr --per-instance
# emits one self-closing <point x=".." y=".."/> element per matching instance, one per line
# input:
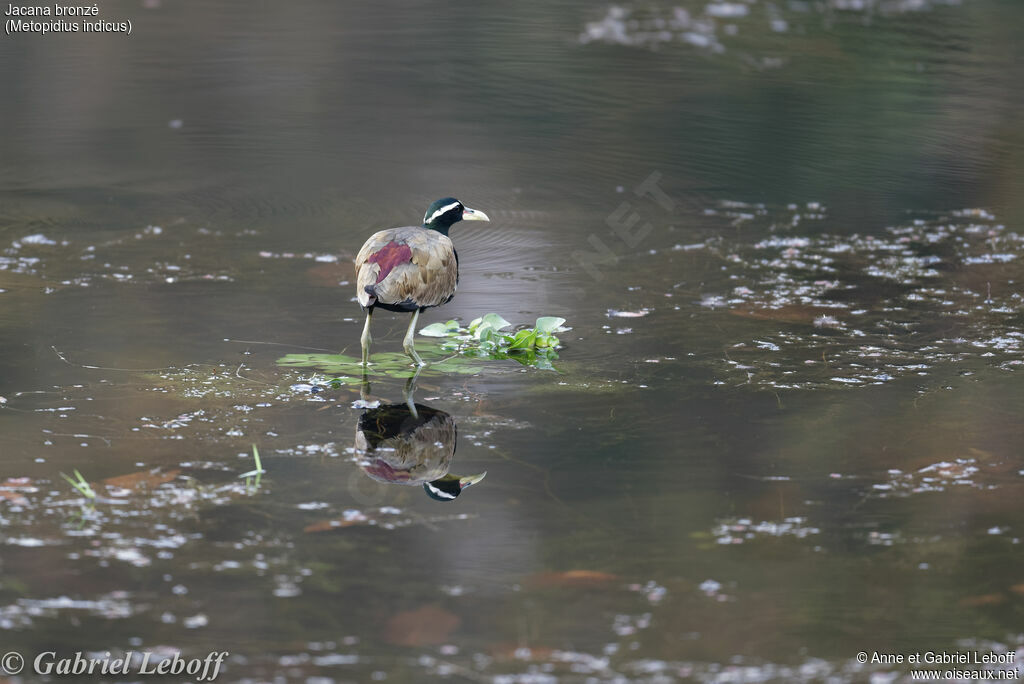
<point x="784" y="425"/>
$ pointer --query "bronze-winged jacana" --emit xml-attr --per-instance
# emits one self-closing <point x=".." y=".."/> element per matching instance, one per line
<point x="411" y="444"/>
<point x="411" y="268"/>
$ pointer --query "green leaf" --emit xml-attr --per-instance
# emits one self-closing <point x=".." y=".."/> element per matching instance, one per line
<point x="436" y="330"/>
<point x="543" y="363"/>
<point x="547" y="341"/>
<point x="474" y="324"/>
<point x="342" y="366"/>
<point x="524" y="356"/>
<point x="524" y="333"/>
<point x="549" y="324"/>
<point x="317" y="359"/>
<point x="496" y="321"/>
<point x="524" y="339"/>
<point x="348" y="370"/>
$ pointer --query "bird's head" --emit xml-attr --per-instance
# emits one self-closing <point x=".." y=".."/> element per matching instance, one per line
<point x="446" y="211"/>
<point x="450" y="486"/>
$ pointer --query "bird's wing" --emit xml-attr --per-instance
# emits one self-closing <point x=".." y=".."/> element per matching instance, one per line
<point x="426" y="277"/>
<point x="379" y="255"/>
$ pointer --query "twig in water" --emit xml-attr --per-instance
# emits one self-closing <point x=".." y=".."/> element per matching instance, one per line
<point x="77" y="435"/>
<point x="242" y="377"/>
<point x="279" y="344"/>
<point x="127" y="370"/>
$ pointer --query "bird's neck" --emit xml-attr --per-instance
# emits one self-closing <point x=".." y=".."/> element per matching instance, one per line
<point x="440" y="228"/>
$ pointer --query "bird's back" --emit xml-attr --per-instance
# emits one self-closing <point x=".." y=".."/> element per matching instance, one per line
<point x="406" y="268"/>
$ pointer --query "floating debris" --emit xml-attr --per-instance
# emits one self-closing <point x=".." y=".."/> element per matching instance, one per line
<point x="753" y="29"/>
<point x="937" y="477"/>
<point x="386" y="517"/>
<point x="612" y="313"/>
<point x="865" y="309"/>
<point x="740" y="530"/>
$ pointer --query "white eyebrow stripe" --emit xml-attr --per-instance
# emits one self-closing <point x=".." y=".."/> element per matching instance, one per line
<point x="438" y="492"/>
<point x="440" y="211"/>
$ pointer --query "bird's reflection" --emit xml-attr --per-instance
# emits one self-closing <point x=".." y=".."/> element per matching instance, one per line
<point x="410" y="444"/>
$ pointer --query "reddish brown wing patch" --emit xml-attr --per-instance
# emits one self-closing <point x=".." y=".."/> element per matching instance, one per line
<point x="387" y="257"/>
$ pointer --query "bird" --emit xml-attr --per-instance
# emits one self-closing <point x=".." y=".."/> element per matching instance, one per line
<point x="410" y="269"/>
<point x="411" y="444"/>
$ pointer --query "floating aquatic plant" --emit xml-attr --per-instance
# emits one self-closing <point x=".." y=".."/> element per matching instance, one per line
<point x="79" y="483"/>
<point x="483" y="338"/>
<point x="461" y="349"/>
<point x="85" y="489"/>
<point x="252" y="478"/>
<point x="348" y="370"/>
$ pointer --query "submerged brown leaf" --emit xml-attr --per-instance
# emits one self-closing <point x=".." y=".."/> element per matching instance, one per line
<point x="571" y="578"/>
<point x="794" y="313"/>
<point x="144" y="479"/>
<point x="13" y="489"/>
<point x="982" y="600"/>
<point x="425" y="626"/>
<point x="16" y="498"/>
<point x="328" y="525"/>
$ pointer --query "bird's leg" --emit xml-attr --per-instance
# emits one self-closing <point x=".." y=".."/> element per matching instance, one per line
<point x="410" y="388"/>
<point x="366" y="339"/>
<point x="408" y="343"/>
<point x="364" y="387"/>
